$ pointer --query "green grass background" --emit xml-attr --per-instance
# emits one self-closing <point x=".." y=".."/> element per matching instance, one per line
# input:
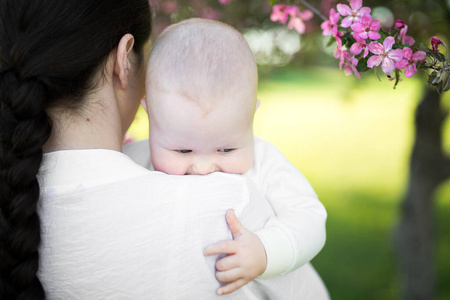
<point x="352" y="139"/>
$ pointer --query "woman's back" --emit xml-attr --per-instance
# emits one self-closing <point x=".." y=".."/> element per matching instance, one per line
<point x="118" y="231"/>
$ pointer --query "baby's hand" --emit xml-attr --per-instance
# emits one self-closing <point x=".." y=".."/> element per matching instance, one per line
<point x="246" y="257"/>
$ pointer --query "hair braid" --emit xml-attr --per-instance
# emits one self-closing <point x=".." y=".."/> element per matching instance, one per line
<point x="51" y="53"/>
<point x="25" y="128"/>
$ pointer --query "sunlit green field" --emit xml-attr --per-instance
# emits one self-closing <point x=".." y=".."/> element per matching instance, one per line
<point x="352" y="139"/>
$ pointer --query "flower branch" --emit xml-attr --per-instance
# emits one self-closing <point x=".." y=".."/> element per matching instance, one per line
<point x="361" y="44"/>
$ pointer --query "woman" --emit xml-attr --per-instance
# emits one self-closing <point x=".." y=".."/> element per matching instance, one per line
<point x="71" y="77"/>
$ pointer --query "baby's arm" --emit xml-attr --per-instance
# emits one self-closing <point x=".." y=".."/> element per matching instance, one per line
<point x="297" y="231"/>
<point x="289" y="239"/>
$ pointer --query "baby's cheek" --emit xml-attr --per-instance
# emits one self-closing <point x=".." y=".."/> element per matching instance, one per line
<point x="167" y="163"/>
<point x="238" y="165"/>
<point x="171" y="166"/>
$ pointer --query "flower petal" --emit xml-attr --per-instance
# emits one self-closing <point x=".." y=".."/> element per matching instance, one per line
<point x="401" y="64"/>
<point x="374" y="35"/>
<point x="387" y="65"/>
<point x="376" y="48"/>
<point x="356" y="49"/>
<point x="366" y="51"/>
<point x="408" y="40"/>
<point x="356" y="72"/>
<point x="346" y="22"/>
<point x="357" y="26"/>
<point x="419" y="55"/>
<point x="292" y="10"/>
<point x="334" y="16"/>
<point x="355" y="4"/>
<point x="410" y="71"/>
<point x="344" y="9"/>
<point x="299" y="25"/>
<point x="375" y="25"/>
<point x="324" y="25"/>
<point x="364" y="11"/>
<point x="407" y="53"/>
<point x="366" y="19"/>
<point x="291" y="23"/>
<point x="306" y="15"/>
<point x="348" y="70"/>
<point x="363" y="35"/>
<point x="374" y="61"/>
<point x="388" y="42"/>
<point x="337" y="53"/>
<point x="396" y="54"/>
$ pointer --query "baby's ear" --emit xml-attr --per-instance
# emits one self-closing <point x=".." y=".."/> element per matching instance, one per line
<point x="257" y="104"/>
<point x="144" y="104"/>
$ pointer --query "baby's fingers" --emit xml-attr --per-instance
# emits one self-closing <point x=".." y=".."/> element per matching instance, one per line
<point x="229" y="275"/>
<point x="227" y="263"/>
<point x="224" y="247"/>
<point x="231" y="287"/>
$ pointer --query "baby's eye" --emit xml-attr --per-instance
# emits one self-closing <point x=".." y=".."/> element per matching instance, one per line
<point x="183" y="151"/>
<point x="226" y="150"/>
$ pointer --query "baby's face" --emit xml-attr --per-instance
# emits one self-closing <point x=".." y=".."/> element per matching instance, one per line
<point x="187" y="139"/>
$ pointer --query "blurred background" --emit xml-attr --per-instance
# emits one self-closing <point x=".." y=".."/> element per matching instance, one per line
<point x="352" y="138"/>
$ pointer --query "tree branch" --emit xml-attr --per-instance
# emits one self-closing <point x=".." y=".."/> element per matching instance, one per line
<point x="313" y="9"/>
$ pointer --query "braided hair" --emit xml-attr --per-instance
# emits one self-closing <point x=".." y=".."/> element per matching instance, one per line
<point x="50" y="54"/>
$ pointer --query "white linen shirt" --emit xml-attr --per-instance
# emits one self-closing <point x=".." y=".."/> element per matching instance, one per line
<point x="111" y="229"/>
<point x="296" y="233"/>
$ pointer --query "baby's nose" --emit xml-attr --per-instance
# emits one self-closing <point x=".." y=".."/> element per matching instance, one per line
<point x="203" y="168"/>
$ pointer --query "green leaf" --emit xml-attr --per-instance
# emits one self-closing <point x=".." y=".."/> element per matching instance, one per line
<point x="397" y="77"/>
<point x="331" y="41"/>
<point x="383" y="34"/>
<point x="376" y="73"/>
<point x="362" y="65"/>
<point x="438" y="56"/>
<point x="399" y="45"/>
<point x="348" y="42"/>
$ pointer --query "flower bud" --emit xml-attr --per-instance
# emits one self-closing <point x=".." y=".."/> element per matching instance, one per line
<point x="435" y="42"/>
<point x="399" y="24"/>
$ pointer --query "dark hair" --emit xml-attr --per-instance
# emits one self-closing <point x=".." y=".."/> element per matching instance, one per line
<point x="50" y="54"/>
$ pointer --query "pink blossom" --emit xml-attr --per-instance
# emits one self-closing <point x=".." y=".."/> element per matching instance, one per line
<point x="352" y="13"/>
<point x="224" y="1"/>
<point x="210" y="14"/>
<point x="282" y="12"/>
<point x="292" y="10"/>
<point x="435" y="42"/>
<point x="330" y="26"/>
<point x="366" y="28"/>
<point x="339" y="52"/>
<point x="297" y="21"/>
<point x="169" y="7"/>
<point x="385" y="55"/>
<point x="409" y="61"/>
<point x="350" y="64"/>
<point x="406" y="39"/>
<point x="359" y="46"/>
<point x="279" y="13"/>
<point x="399" y="24"/>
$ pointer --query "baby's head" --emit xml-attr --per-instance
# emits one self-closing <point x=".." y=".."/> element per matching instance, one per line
<point x="201" y="98"/>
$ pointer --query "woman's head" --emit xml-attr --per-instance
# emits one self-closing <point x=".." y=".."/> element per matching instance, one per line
<point x="52" y="54"/>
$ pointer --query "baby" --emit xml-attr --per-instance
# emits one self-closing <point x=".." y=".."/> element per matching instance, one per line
<point x="201" y="98"/>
